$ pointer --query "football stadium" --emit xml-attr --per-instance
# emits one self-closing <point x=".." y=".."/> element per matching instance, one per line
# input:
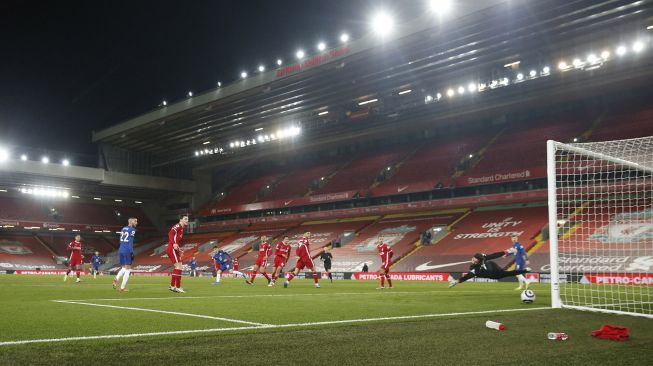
<point x="449" y="182"/>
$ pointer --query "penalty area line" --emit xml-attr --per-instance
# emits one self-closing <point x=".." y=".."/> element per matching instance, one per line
<point x="262" y="326"/>
<point x="161" y="312"/>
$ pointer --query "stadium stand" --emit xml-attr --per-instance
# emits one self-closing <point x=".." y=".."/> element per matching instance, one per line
<point x="24" y="252"/>
<point x="401" y="232"/>
<point x="624" y="124"/>
<point x="484" y="230"/>
<point x="432" y="164"/>
<point x="69" y="213"/>
<point x="90" y="244"/>
<point x="521" y="148"/>
<point x="297" y="183"/>
<point x="360" y="173"/>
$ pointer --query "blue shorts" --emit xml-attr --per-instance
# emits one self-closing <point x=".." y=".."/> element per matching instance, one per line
<point x="96" y="268"/>
<point x="226" y="266"/>
<point x="520" y="265"/>
<point x="125" y="259"/>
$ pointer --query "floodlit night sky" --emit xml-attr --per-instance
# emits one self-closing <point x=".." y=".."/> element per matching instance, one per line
<point x="70" y="67"/>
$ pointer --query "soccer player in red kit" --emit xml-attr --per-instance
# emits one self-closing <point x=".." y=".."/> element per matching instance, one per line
<point x="304" y="260"/>
<point x="281" y="256"/>
<point x="235" y="264"/>
<point x="262" y="260"/>
<point x="386" y="261"/>
<point x="174" y="252"/>
<point x="75" y="260"/>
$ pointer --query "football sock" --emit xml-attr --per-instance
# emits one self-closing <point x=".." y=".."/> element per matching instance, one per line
<point x="120" y="273"/>
<point x="290" y="276"/>
<point x="387" y="276"/>
<point x="382" y="281"/>
<point x="315" y="277"/>
<point x="267" y="276"/>
<point x="125" y="278"/>
<point x="77" y="273"/>
<point x="253" y="277"/>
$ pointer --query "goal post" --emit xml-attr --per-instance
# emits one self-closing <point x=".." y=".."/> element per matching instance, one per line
<point x="600" y="197"/>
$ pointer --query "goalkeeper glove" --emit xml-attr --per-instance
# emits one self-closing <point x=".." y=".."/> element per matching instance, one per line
<point x="452" y="283"/>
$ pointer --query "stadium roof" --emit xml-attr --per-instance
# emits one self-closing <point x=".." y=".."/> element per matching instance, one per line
<point x="422" y="56"/>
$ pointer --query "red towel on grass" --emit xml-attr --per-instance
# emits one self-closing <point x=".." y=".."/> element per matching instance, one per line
<point x="613" y="332"/>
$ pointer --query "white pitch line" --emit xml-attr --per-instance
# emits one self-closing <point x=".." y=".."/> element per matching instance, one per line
<point x="269" y="326"/>
<point x="162" y="312"/>
<point x="383" y="293"/>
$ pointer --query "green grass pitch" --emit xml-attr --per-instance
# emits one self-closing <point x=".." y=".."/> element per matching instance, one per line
<point x="342" y="323"/>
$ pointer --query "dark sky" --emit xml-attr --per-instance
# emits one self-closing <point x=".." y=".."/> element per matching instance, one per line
<point x="70" y="67"/>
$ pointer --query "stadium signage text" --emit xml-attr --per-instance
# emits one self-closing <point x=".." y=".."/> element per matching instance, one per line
<point x="618" y="279"/>
<point x="602" y="264"/>
<point x="405" y="276"/>
<point x="494" y="230"/>
<point x="503" y="177"/>
<point x="312" y="62"/>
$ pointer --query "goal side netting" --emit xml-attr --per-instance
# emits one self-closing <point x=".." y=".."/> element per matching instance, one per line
<point x="601" y="225"/>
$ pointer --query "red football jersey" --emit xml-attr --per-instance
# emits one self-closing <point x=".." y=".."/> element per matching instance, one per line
<point x="75" y="247"/>
<point x="282" y="250"/>
<point x="263" y="251"/>
<point x="175" y="234"/>
<point x="304" y="248"/>
<point x="385" y="252"/>
<point x="235" y="264"/>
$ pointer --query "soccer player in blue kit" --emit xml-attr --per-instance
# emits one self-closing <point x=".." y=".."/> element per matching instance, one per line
<point x="95" y="262"/>
<point x="126" y="253"/>
<point x="521" y="261"/>
<point x="223" y="259"/>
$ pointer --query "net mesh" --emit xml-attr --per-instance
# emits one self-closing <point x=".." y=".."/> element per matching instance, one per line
<point x="605" y="225"/>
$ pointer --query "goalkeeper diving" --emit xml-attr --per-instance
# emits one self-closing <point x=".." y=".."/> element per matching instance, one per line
<point x="483" y="266"/>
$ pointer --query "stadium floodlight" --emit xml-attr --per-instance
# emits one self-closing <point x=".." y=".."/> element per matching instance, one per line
<point x="206" y="142"/>
<point x="638" y="46"/>
<point x="494" y="84"/>
<point x="405" y="91"/>
<point x="65" y="162"/>
<point x="258" y="129"/>
<point x="470" y="156"/>
<point x="279" y="62"/>
<point x="649" y="27"/>
<point x="382" y="24"/>
<point x="23" y="157"/>
<point x="97" y="198"/>
<point x="300" y="54"/>
<point x="520" y="76"/>
<point x="4" y="155"/>
<point x="440" y="6"/>
<point x="242" y="144"/>
<point x="272" y="136"/>
<point x="139" y="202"/>
<point x="591" y="58"/>
<point x="472" y="87"/>
<point x="577" y="62"/>
<point x="190" y="93"/>
<point x="118" y="200"/>
<point x="321" y="46"/>
<point x="505" y="81"/>
<point x="243" y="74"/>
<point x="605" y="54"/>
<point x="344" y="38"/>
<point x="621" y="50"/>
<point x="261" y="68"/>
<point x="546" y="70"/>
<point x="164" y="103"/>
<point x="323" y="113"/>
<point x="368" y="101"/>
<point x="604" y="226"/>
<point x="266" y="138"/>
<point x="562" y="65"/>
<point x="197" y="153"/>
<point x="260" y="138"/>
<point x="45" y="160"/>
<point x="532" y="73"/>
<point x="428" y="99"/>
<point x="438" y="96"/>
<point x="450" y="92"/>
<point x="219" y="84"/>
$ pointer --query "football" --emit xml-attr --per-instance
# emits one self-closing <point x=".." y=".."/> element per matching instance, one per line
<point x="527" y="296"/>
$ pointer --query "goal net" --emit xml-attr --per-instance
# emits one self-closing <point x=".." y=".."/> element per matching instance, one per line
<point x="601" y="225"/>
